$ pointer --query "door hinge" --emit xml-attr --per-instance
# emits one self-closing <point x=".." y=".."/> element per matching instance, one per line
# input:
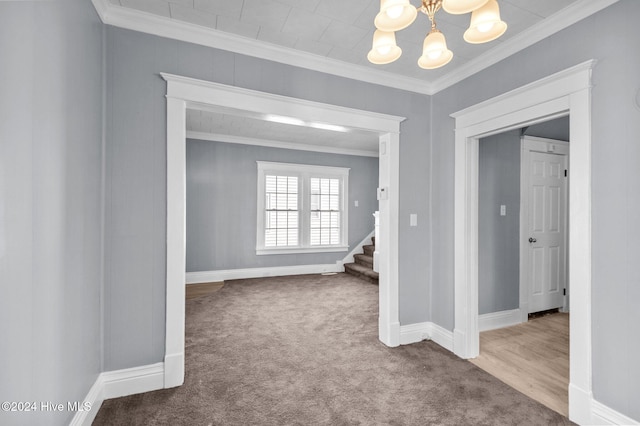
<point x="564" y="291"/>
<point x="565" y="173"/>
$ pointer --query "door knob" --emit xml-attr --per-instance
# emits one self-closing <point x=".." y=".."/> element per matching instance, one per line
<point x="532" y="240"/>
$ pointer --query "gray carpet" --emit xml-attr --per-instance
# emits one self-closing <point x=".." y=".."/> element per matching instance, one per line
<point x="304" y="350"/>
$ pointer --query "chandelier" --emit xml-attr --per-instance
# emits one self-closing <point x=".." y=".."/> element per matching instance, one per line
<point x="396" y="15"/>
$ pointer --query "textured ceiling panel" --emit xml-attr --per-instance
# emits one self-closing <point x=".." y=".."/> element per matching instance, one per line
<point x="341" y="29"/>
<point x="254" y="128"/>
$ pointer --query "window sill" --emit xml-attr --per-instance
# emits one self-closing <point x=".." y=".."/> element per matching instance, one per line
<point x="298" y="250"/>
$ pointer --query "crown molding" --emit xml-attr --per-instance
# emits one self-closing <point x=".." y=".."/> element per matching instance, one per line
<point x="568" y="16"/>
<point x="161" y="26"/>
<point x="135" y="20"/>
<point x="215" y="137"/>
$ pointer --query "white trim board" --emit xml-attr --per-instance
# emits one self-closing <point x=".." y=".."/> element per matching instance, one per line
<point x="603" y="415"/>
<point x="501" y="319"/>
<point x="564" y="93"/>
<point x="130" y="381"/>
<point x="95" y="397"/>
<point x="118" y="383"/>
<point x="413" y="333"/>
<point x="183" y="93"/>
<point x="136" y="20"/>
<point x="276" y="271"/>
<point x="202" y="94"/>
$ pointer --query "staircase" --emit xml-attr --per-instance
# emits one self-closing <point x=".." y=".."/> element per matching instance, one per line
<point x="363" y="265"/>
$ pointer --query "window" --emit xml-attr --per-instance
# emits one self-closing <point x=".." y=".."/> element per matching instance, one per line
<point x="281" y="211"/>
<point x="301" y="208"/>
<point x="325" y="211"/>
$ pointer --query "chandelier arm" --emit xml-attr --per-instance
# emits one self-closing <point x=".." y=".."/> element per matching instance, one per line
<point x="429" y="8"/>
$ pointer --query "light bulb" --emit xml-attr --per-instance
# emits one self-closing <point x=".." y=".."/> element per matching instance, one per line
<point x="395" y="11"/>
<point x="484" y="27"/>
<point x="434" y="54"/>
<point x="383" y="50"/>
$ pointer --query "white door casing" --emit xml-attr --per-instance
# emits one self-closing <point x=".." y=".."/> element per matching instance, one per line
<point x="183" y="93"/>
<point x="543" y="224"/>
<point x="567" y="92"/>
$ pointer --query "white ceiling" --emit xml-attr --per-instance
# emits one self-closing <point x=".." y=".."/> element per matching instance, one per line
<point x="342" y="30"/>
<point x="331" y="36"/>
<point x="235" y="126"/>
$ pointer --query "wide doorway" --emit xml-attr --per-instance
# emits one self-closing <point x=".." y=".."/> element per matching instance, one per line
<point x="184" y="93"/>
<point x="564" y="93"/>
<point x="522" y="260"/>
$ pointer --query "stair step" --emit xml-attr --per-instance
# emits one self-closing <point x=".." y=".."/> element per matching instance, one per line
<point x="368" y="250"/>
<point x="361" y="272"/>
<point x="364" y="260"/>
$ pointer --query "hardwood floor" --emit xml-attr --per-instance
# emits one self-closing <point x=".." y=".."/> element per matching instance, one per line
<point x="201" y="289"/>
<point x="533" y="358"/>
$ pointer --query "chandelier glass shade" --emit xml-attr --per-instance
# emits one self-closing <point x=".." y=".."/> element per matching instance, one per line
<point x="396" y="15"/>
<point x="384" y="50"/>
<point x="458" y="7"/>
<point x="434" y="51"/>
<point x="485" y="24"/>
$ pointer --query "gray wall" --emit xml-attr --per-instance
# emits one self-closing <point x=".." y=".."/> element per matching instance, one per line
<point x="499" y="236"/>
<point x="612" y="37"/>
<point x="136" y="176"/>
<point x="50" y="187"/>
<point x="50" y="204"/>
<point x="553" y="129"/>
<point x="221" y="221"/>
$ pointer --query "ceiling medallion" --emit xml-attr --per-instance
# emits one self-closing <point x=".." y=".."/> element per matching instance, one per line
<point x="396" y="15"/>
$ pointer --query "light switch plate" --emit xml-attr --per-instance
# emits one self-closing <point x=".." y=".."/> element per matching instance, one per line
<point x="383" y="193"/>
<point x="503" y="210"/>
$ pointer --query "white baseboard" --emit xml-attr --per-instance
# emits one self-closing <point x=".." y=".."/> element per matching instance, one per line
<point x="580" y="405"/>
<point x="114" y="384"/>
<point x="94" y="398"/>
<point x="442" y="336"/>
<point x="603" y="415"/>
<point x="133" y="380"/>
<point x="500" y="319"/>
<point x="413" y="333"/>
<point x="173" y="370"/>
<point x="277" y="271"/>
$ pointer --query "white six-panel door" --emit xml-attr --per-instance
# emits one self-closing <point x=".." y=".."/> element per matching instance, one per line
<point x="545" y="221"/>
